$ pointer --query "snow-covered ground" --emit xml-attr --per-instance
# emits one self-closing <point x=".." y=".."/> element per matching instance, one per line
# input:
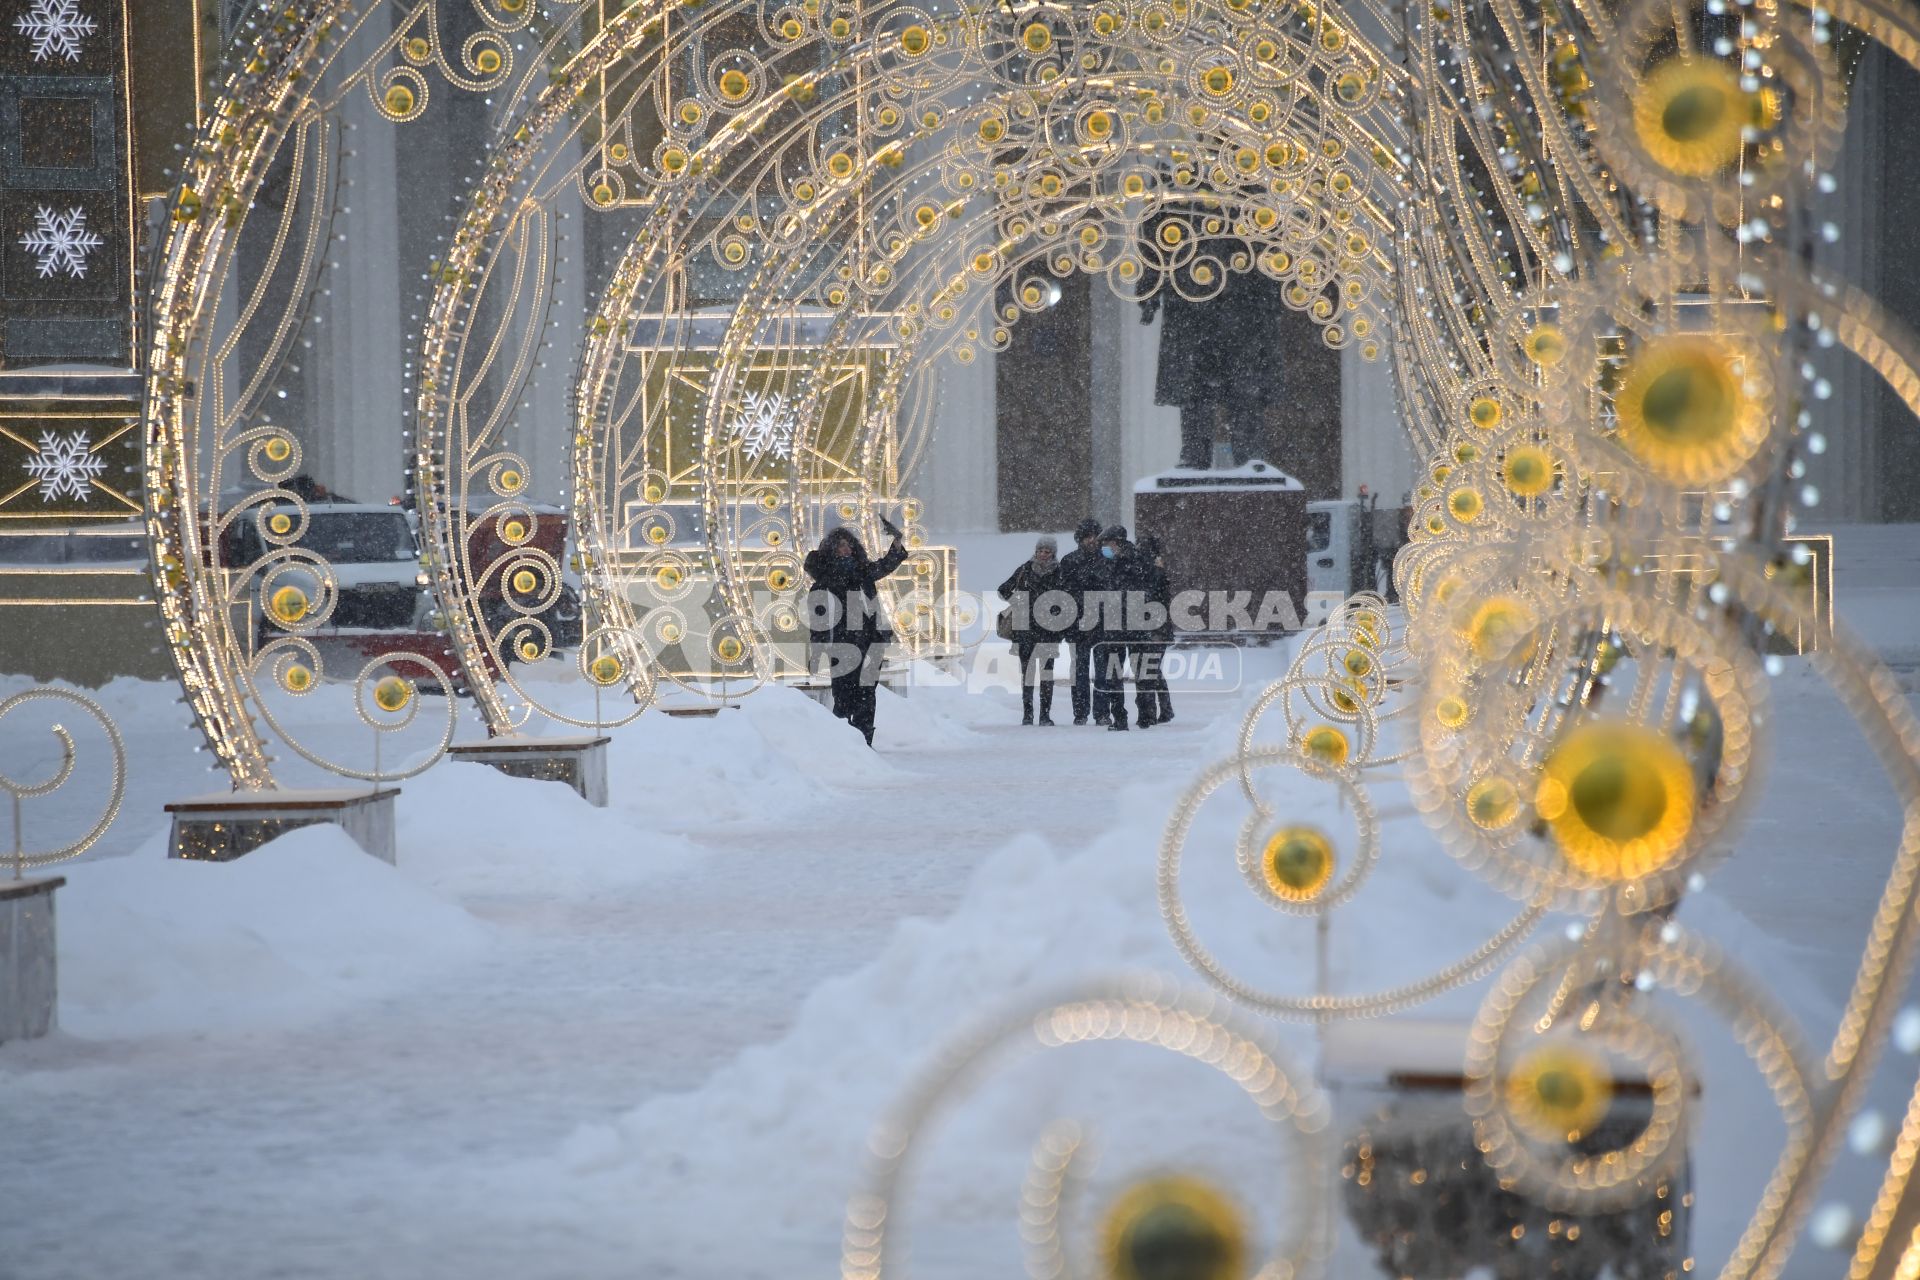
<point x="651" y="1040"/>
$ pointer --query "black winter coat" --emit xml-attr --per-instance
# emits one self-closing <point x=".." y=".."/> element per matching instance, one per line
<point x="1159" y="590"/>
<point x="1127" y="583"/>
<point x="844" y="606"/>
<point x="1035" y="622"/>
<point x="1081" y="572"/>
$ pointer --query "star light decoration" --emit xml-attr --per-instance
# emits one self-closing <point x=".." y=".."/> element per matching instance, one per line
<point x="61" y="241"/>
<point x="66" y="466"/>
<point x="56" y="28"/>
<point x="765" y="424"/>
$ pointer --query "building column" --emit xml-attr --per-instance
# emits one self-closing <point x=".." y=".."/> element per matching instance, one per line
<point x="1374" y="448"/>
<point x="958" y="481"/>
<point x="1106" y="360"/>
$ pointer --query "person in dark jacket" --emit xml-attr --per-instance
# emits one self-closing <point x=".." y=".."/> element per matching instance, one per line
<point x="1036" y="623"/>
<point x="1117" y="602"/>
<point x="843" y="610"/>
<point x="1081" y="572"/>
<point x="1152" y="701"/>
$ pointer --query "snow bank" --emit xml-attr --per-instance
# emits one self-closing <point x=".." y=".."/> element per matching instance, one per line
<point x="299" y="928"/>
<point x="774" y="751"/>
<point x="470" y="830"/>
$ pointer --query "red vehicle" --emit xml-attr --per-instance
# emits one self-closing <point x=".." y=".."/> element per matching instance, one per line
<point x="487" y="544"/>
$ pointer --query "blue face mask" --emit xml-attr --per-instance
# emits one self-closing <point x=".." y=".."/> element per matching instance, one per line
<point x="1108" y="552"/>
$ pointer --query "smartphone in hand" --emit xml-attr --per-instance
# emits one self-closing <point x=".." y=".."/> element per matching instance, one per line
<point x="893" y="530"/>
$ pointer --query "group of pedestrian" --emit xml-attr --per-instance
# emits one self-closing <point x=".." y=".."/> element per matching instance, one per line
<point x="1107" y="599"/>
<point x="1111" y="602"/>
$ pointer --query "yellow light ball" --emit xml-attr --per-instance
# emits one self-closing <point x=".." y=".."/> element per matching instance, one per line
<point x="1683" y="412"/>
<point x="1493" y="803"/>
<point x="1174" y="1227"/>
<point x="1326" y="744"/>
<point x="1619" y="798"/>
<point x="1452" y="711"/>
<point x="289" y="604"/>
<point x="1689" y="114"/>
<point x="392" y="694"/>
<point x="1497" y="626"/>
<point x="1558" y="1093"/>
<point x="526" y="581"/>
<point x="605" y="669"/>
<point x="1546" y="345"/>
<point x="1297" y="863"/>
<point x="1527" y="471"/>
<point x="1485" y="413"/>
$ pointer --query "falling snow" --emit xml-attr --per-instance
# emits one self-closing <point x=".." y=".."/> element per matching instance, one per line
<point x="65" y="466"/>
<point x="765" y="424"/>
<point x="62" y="242"/>
<point x="56" y="28"/>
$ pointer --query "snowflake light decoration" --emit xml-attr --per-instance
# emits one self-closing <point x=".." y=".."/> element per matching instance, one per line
<point x="62" y="242"/>
<point x="56" y="27"/>
<point x="765" y="424"/>
<point x="66" y="466"/>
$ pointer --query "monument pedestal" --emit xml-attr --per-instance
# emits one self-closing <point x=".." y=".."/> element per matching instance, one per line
<point x="220" y="828"/>
<point x="29" y="961"/>
<point x="1409" y="1155"/>
<point x="1238" y="536"/>
<point x="580" y="762"/>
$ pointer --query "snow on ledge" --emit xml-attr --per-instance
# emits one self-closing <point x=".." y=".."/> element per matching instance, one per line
<point x="1255" y="476"/>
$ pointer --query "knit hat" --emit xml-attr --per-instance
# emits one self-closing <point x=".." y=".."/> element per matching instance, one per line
<point x="1088" y="528"/>
<point x="1115" y="533"/>
<point x="1048" y="543"/>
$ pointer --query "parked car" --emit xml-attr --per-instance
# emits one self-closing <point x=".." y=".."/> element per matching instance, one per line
<point x="382" y="604"/>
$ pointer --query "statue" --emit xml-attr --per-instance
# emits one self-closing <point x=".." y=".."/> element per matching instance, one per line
<point x="1220" y="365"/>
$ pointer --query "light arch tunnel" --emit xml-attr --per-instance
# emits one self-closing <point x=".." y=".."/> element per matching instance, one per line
<point x="864" y="258"/>
<point x="1254" y="139"/>
<point x="1272" y="134"/>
